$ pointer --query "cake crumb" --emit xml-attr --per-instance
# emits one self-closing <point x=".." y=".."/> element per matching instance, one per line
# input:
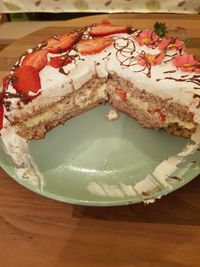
<point x="112" y="115"/>
<point x="23" y="173"/>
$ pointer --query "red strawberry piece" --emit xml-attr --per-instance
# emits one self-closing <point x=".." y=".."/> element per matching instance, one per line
<point x="106" y="29"/>
<point x="26" y="79"/>
<point x="93" y="46"/>
<point x="5" y="83"/>
<point x="62" y="43"/>
<point x="60" y="61"/>
<point x="36" y="59"/>
<point x="162" y="116"/>
<point x="105" y="22"/>
<point x="1" y="116"/>
<point x="122" y="94"/>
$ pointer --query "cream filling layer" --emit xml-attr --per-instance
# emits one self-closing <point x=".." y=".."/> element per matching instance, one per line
<point x="82" y="101"/>
<point x="169" y="119"/>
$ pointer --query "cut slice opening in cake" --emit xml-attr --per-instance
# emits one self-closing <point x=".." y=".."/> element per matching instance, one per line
<point x="89" y="96"/>
<point x="149" y="110"/>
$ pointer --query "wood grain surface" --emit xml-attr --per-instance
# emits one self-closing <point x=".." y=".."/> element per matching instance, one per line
<point x="36" y="231"/>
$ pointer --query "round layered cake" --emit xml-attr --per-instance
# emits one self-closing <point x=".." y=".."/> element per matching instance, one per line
<point x="142" y="73"/>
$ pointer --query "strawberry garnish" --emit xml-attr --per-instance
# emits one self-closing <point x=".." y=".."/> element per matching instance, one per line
<point x="62" y="43"/>
<point x="93" y="46"/>
<point x="1" y="116"/>
<point x="60" y="61"/>
<point x="5" y="83"/>
<point x="106" y="29"/>
<point x="36" y="59"/>
<point x="26" y="79"/>
<point x="122" y="94"/>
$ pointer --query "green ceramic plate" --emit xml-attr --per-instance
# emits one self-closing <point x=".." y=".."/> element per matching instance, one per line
<point x="93" y="161"/>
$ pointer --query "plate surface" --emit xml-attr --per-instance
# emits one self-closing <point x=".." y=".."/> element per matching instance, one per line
<point x="93" y="161"/>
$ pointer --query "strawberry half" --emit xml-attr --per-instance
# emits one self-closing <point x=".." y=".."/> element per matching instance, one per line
<point x="93" y="46"/>
<point x="62" y="43"/>
<point x="26" y="79"/>
<point x="36" y="59"/>
<point x="106" y="29"/>
<point x="60" y="61"/>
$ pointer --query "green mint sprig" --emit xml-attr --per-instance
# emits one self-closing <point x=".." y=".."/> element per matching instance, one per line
<point x="160" y="29"/>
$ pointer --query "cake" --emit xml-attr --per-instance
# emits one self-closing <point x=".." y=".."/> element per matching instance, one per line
<point x="142" y="73"/>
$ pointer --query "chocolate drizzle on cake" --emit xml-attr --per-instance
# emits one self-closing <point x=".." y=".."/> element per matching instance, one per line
<point x="7" y="95"/>
<point x="196" y="96"/>
<point x="125" y="51"/>
<point x="125" y="54"/>
<point x="194" y="79"/>
<point x="61" y="70"/>
<point x="169" y="71"/>
<point x="106" y="56"/>
<point x="131" y="30"/>
<point x="170" y="57"/>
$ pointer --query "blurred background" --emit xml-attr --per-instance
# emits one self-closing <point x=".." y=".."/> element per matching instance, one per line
<point x="21" y="17"/>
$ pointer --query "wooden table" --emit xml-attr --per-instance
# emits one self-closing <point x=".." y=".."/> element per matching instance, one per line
<point x="36" y="231"/>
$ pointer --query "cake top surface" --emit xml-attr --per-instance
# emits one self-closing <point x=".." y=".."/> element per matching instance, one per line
<point x="147" y="58"/>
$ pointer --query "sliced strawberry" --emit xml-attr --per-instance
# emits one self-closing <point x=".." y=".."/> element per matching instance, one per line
<point x="5" y="82"/>
<point x="1" y="116"/>
<point x="62" y="43"/>
<point x="93" y="46"/>
<point x="60" y="61"/>
<point x="36" y="59"/>
<point x="106" y="29"/>
<point x="26" y="79"/>
<point x="122" y="94"/>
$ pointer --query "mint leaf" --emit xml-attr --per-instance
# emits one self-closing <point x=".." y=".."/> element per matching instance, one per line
<point x="187" y="41"/>
<point x="160" y="29"/>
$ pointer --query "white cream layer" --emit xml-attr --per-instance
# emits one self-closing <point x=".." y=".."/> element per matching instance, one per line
<point x="169" y="118"/>
<point x="81" y="101"/>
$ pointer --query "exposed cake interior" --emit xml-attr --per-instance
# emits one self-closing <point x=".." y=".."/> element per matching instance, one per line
<point x="149" y="110"/>
<point x="89" y="96"/>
